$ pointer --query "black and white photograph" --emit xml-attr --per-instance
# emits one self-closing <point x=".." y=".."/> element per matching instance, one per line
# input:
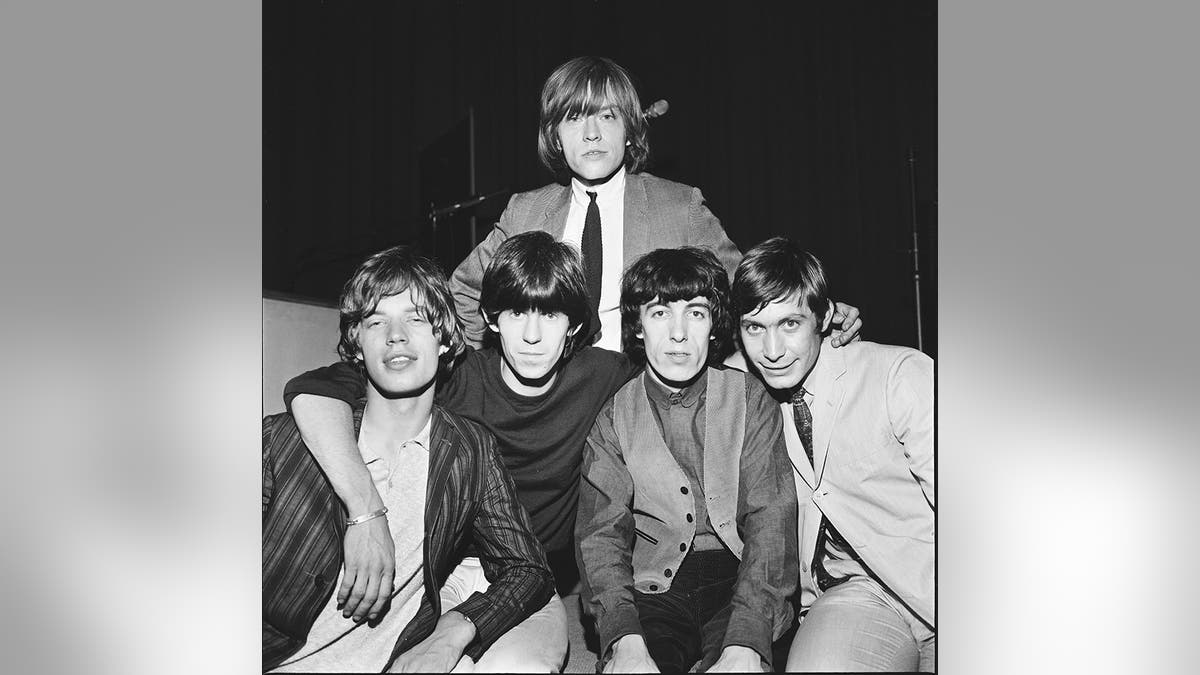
<point x="648" y="292"/>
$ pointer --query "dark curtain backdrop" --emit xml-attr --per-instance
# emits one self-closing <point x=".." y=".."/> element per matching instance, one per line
<point x="793" y="119"/>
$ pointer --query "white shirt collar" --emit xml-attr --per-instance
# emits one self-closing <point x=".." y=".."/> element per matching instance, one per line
<point x="614" y="188"/>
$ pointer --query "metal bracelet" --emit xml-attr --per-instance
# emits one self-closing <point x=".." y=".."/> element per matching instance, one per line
<point x="365" y="517"/>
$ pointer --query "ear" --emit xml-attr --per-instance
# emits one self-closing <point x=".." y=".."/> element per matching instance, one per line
<point x="627" y="144"/>
<point x="828" y="317"/>
<point x="489" y="324"/>
<point x="574" y="330"/>
<point x="442" y="350"/>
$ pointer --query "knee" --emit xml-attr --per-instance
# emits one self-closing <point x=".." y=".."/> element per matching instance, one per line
<point x="523" y="658"/>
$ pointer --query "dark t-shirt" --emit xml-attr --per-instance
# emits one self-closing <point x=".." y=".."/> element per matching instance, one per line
<point x="540" y="438"/>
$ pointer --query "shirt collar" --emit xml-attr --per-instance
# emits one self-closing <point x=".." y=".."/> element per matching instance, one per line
<point x="819" y="376"/>
<point x="605" y="193"/>
<point x="665" y="398"/>
<point x="421" y="440"/>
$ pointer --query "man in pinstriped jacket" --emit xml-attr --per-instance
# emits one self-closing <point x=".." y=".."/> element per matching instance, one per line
<point x="442" y="486"/>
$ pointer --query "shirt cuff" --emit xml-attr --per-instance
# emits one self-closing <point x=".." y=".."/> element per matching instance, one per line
<point x="749" y="630"/>
<point x="615" y="625"/>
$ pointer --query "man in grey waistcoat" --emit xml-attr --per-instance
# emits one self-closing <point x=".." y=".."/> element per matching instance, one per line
<point x="686" y="528"/>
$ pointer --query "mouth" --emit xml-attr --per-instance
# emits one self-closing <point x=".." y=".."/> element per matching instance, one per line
<point x="399" y="360"/>
<point x="594" y="154"/>
<point x="775" y="369"/>
<point x="678" y="356"/>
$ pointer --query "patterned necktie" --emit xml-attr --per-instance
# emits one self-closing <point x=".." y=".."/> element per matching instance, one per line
<point x="593" y="253"/>
<point x="803" y="418"/>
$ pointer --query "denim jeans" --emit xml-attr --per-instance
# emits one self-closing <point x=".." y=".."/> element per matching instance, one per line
<point x="858" y="626"/>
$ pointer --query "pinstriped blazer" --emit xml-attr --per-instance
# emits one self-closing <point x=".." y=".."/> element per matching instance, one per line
<point x="470" y="499"/>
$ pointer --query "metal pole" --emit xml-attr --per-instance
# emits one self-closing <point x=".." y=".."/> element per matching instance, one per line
<point x="912" y="200"/>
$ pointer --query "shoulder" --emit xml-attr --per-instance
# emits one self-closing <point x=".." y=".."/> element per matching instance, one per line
<point x="885" y="358"/>
<point x="593" y="357"/>
<point x="663" y="188"/>
<point x="278" y="426"/>
<point x="757" y="394"/>
<point x="539" y="199"/>
<point x="461" y="432"/>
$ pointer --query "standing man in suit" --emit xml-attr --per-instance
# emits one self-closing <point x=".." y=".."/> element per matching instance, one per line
<point x="438" y="484"/>
<point x="593" y="136"/>
<point x="858" y="422"/>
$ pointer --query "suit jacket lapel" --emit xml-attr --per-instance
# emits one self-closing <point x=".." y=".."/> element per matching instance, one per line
<point x="554" y="220"/>
<point x="441" y="460"/>
<point x="635" y="228"/>
<point x="828" y="393"/>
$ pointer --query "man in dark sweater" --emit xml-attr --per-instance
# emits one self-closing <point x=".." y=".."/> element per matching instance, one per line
<point x="538" y="392"/>
<point x="686" y="531"/>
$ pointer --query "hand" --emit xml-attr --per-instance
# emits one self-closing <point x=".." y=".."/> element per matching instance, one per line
<point x="629" y="655"/>
<point x="847" y="317"/>
<point x="738" y="659"/>
<point x="370" y="569"/>
<point x="439" y="652"/>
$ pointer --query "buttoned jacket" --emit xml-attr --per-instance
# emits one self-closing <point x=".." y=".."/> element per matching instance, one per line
<point x="470" y="496"/>
<point x="635" y="524"/>
<point x="873" y="451"/>
<point x="658" y="213"/>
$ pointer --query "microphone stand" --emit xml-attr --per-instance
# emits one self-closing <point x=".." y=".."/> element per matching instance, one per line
<point x="437" y="213"/>
<point x="912" y="194"/>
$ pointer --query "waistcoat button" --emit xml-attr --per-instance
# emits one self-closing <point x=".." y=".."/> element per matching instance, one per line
<point x="683" y="489"/>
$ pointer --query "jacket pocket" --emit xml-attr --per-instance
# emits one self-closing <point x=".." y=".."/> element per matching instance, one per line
<point x="645" y="536"/>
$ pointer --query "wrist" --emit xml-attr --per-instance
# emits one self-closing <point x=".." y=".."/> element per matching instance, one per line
<point x="632" y="642"/>
<point x="456" y="629"/>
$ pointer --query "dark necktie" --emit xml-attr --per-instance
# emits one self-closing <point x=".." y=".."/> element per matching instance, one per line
<point x="803" y="419"/>
<point x="593" y="255"/>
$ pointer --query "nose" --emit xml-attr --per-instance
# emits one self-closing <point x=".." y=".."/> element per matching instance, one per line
<point x="398" y="333"/>
<point x="678" y="328"/>
<point x="533" y="329"/>
<point x="772" y="345"/>
<point x="591" y="128"/>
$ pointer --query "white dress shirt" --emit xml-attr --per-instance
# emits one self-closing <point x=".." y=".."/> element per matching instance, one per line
<point x="610" y="198"/>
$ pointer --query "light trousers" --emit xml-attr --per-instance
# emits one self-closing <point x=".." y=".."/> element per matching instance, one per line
<point x="857" y="626"/>
<point x="536" y="645"/>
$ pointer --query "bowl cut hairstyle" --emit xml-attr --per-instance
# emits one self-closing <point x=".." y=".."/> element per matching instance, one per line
<point x="779" y="269"/>
<point x="534" y="272"/>
<point x="393" y="271"/>
<point x="671" y="274"/>
<point x="586" y="85"/>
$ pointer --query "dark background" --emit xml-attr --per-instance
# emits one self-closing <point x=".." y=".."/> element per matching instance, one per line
<point x="793" y="121"/>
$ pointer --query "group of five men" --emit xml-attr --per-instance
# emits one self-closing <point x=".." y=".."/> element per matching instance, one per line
<point x="447" y="491"/>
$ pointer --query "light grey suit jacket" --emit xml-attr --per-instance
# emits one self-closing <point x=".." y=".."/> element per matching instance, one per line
<point x="874" y="457"/>
<point x="658" y="214"/>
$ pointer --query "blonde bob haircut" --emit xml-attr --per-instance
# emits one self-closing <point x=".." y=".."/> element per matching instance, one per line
<point x="586" y="85"/>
